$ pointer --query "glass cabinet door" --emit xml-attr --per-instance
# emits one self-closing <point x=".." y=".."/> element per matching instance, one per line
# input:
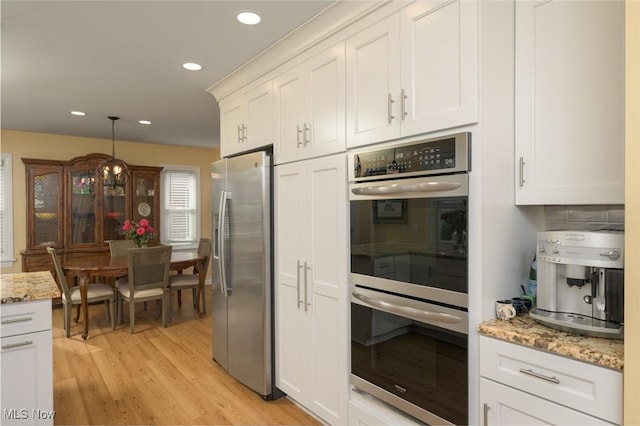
<point x="145" y="199"/>
<point x="83" y="207"/>
<point x="114" y="208"/>
<point x="46" y="207"/>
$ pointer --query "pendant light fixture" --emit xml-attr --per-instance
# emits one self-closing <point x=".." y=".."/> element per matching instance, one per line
<point x="112" y="171"/>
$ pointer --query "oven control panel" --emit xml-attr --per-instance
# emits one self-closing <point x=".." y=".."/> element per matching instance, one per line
<point x="442" y="155"/>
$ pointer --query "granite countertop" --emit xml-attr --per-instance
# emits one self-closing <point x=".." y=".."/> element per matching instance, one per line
<point x="525" y="331"/>
<point x="27" y="286"/>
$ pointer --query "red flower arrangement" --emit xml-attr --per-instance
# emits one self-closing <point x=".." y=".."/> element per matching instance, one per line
<point x="139" y="232"/>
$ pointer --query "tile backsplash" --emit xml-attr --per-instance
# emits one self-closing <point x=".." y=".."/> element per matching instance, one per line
<point x="584" y="217"/>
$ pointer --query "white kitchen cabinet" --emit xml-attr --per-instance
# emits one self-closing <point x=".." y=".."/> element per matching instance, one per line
<point x="310" y="108"/>
<point x="503" y="405"/>
<point x="569" y="102"/>
<point x="520" y="385"/>
<point x="26" y="361"/>
<point x="414" y="72"/>
<point x="246" y="121"/>
<point x="311" y="292"/>
<point x="373" y="80"/>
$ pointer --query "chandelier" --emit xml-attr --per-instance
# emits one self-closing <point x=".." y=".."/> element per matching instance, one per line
<point x="112" y="171"/>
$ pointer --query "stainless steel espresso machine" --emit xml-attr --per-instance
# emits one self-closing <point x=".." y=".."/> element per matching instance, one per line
<point x="581" y="282"/>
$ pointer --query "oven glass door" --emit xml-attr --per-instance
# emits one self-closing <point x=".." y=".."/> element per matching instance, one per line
<point x="422" y="241"/>
<point x="417" y="362"/>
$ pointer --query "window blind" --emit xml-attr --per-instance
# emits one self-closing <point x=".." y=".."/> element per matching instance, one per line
<point x="179" y="207"/>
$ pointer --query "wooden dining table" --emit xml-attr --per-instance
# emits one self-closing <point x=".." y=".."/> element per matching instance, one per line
<point x="84" y="268"/>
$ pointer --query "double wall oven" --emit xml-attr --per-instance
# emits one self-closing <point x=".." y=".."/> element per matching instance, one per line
<point x="409" y="267"/>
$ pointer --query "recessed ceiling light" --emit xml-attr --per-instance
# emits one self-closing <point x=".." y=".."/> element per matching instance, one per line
<point x="249" y="18"/>
<point x="146" y="122"/>
<point x="192" y="66"/>
<point x="78" y="113"/>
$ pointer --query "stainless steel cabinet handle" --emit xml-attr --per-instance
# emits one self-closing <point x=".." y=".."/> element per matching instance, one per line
<point x="389" y="112"/>
<point x="521" y="171"/>
<point x="403" y="98"/>
<point x="15" y="320"/>
<point x="17" y="345"/>
<point x="306" y="303"/>
<point x="306" y="134"/>
<point x="298" y="281"/>
<point x="530" y="372"/>
<point x="298" y="139"/>
<point x="245" y="132"/>
<point x="239" y="133"/>
<point x="486" y="414"/>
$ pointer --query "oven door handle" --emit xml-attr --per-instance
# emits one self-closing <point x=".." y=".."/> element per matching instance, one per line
<point x="408" y="312"/>
<point x="403" y="188"/>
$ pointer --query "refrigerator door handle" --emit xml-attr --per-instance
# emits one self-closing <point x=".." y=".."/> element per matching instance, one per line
<point x="221" y="243"/>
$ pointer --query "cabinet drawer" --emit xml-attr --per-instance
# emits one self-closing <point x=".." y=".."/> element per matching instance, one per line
<point x="25" y="317"/>
<point x="503" y="405"/>
<point x="579" y="385"/>
<point x="34" y="263"/>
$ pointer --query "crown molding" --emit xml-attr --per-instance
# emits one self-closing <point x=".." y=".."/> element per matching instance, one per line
<point x="326" y="26"/>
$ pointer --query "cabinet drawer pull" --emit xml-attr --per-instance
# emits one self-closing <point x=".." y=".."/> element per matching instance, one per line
<point x="530" y="372"/>
<point x="17" y="345"/>
<point x="298" y="282"/>
<point x="521" y="164"/>
<point x="306" y="132"/>
<point x="15" y="320"/>
<point x="299" y="132"/>
<point x="389" y="112"/>
<point x="403" y="98"/>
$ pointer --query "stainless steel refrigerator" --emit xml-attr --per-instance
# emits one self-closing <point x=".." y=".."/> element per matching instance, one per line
<point x="242" y="278"/>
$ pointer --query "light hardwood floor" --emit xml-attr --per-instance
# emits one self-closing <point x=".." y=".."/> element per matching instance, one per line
<point x="158" y="376"/>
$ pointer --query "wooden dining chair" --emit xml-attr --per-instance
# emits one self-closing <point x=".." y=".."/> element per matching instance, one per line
<point x="179" y="282"/>
<point x="120" y="247"/>
<point x="148" y="279"/>
<point x="71" y="295"/>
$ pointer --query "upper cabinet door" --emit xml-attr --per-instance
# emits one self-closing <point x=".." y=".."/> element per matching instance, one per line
<point x="232" y="120"/>
<point x="439" y="46"/>
<point x="259" y="130"/>
<point x="569" y="102"/>
<point x="310" y="108"/>
<point x="289" y="98"/>
<point x="325" y="131"/>
<point x="45" y="197"/>
<point x="373" y="83"/>
<point x="246" y="122"/>
<point x="414" y="72"/>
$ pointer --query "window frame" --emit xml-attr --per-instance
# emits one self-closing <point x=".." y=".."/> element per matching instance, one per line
<point x="6" y="242"/>
<point x="164" y="215"/>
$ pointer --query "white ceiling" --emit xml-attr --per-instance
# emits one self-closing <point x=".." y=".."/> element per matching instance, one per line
<point x="124" y="58"/>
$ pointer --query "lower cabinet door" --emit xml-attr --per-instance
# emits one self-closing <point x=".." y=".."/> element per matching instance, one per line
<point x="27" y="379"/>
<point x="503" y="405"/>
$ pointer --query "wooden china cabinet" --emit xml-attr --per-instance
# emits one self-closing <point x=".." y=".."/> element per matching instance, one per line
<point x="68" y="207"/>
